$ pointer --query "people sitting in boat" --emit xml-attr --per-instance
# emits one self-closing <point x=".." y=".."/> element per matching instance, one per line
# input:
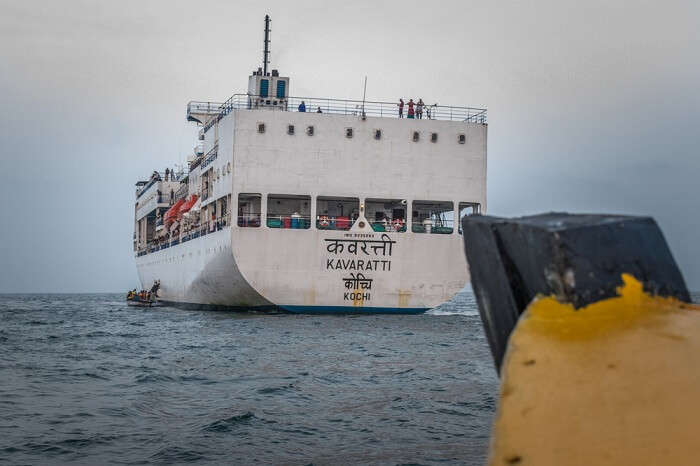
<point x="302" y="106"/>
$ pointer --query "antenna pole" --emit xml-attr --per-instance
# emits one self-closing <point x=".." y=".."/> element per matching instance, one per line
<point x="364" y="94"/>
<point x="266" y="51"/>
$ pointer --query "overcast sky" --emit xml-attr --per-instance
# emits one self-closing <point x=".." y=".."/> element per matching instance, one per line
<point x="593" y="106"/>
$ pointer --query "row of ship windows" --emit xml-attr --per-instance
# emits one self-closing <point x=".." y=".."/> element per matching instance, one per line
<point x="349" y="133"/>
<point x="287" y="211"/>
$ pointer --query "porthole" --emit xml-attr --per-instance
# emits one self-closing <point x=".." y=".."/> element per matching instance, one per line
<point x="261" y="128"/>
<point x="290" y="129"/>
<point x="377" y="134"/>
<point x="348" y="132"/>
<point x="433" y="137"/>
<point x="462" y="138"/>
<point x="310" y="130"/>
<point x="416" y="136"/>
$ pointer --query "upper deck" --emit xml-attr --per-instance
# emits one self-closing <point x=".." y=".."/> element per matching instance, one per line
<point x="209" y="113"/>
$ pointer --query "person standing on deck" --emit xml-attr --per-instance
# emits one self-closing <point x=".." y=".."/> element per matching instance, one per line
<point x="302" y="106"/>
<point x="400" y="108"/>
<point x="419" y="109"/>
<point x="410" y="109"/>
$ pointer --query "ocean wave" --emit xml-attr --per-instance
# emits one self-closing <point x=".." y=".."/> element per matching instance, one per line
<point x="229" y="423"/>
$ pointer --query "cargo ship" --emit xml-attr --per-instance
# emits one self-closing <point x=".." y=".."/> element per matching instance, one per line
<point x="311" y="204"/>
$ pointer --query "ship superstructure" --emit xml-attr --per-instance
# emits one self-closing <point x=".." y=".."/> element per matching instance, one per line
<point x="341" y="207"/>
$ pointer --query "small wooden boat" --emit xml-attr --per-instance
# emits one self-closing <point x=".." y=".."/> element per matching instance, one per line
<point x="138" y="302"/>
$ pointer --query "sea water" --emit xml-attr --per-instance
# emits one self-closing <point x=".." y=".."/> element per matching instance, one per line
<point x="84" y="379"/>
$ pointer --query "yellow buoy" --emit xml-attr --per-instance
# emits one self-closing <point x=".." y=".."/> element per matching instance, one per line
<point x="616" y="382"/>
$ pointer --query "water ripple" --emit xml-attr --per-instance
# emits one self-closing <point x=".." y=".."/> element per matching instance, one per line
<point x="87" y="380"/>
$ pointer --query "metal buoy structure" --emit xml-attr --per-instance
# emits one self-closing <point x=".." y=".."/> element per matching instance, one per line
<point x="596" y="344"/>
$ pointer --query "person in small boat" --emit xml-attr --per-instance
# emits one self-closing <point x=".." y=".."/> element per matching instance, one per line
<point x="302" y="106"/>
<point x="155" y="287"/>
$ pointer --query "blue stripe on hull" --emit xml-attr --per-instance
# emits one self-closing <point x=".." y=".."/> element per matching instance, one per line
<point x="353" y="310"/>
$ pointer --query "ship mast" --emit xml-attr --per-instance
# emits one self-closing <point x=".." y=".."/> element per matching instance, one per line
<point x="266" y="51"/>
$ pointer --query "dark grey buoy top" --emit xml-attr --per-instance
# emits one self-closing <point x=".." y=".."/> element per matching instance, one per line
<point x="579" y="259"/>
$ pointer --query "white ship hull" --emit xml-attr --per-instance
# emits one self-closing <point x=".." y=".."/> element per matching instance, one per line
<point x="297" y="272"/>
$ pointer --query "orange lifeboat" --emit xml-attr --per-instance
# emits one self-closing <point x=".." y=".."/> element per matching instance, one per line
<point x="187" y="205"/>
<point x="171" y="214"/>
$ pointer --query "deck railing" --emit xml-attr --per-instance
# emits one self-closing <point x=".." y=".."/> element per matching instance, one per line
<point x="201" y="229"/>
<point x="431" y="111"/>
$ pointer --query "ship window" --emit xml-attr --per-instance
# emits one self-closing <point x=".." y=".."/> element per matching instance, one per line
<point x="336" y="213"/>
<point x="281" y="88"/>
<point x="310" y="130"/>
<point x="465" y="209"/>
<point x="222" y="219"/>
<point x="290" y="129"/>
<point x="377" y="134"/>
<point x="261" y="128"/>
<point x="386" y="214"/>
<point x="433" y="137"/>
<point x="249" y="210"/>
<point x="288" y="211"/>
<point x="348" y="132"/>
<point x="264" y="85"/>
<point x="462" y="138"/>
<point x="416" y="136"/>
<point x="436" y="217"/>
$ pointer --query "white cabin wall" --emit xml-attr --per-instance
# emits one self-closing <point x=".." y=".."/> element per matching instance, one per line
<point x="221" y="134"/>
<point x="328" y="163"/>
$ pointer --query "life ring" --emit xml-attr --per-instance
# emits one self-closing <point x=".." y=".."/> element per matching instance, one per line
<point x="323" y="221"/>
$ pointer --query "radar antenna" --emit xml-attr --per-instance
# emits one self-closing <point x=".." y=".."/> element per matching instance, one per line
<point x="266" y="51"/>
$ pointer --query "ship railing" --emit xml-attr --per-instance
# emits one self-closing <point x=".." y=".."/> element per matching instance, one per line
<point x="330" y="222"/>
<point x="251" y="219"/>
<point x="432" y="111"/>
<point x="181" y="192"/>
<point x="194" y="231"/>
<point x="294" y="221"/>
<point x="161" y="177"/>
<point x="204" y="108"/>
<point x="433" y="226"/>
<point x="389" y="225"/>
